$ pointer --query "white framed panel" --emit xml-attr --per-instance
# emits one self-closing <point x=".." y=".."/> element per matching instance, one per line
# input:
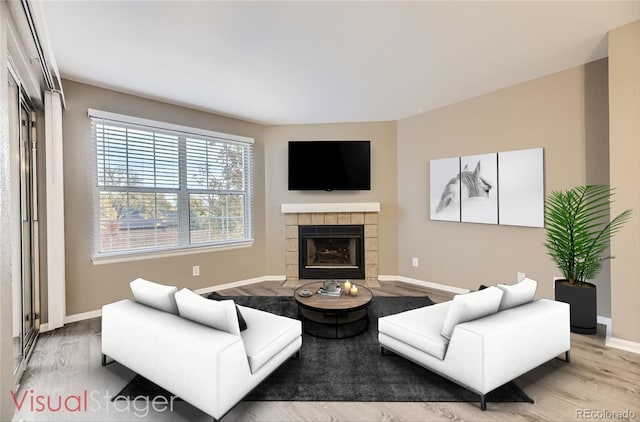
<point x="478" y="190"/>
<point x="444" y="192"/>
<point x="521" y="185"/>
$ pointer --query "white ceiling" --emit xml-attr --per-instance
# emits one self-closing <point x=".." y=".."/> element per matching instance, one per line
<point x="317" y="62"/>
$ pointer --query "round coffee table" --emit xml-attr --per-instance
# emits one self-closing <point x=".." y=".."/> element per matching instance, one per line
<point x="333" y="317"/>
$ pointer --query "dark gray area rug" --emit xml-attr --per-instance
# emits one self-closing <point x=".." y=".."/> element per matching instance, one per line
<point x="349" y="369"/>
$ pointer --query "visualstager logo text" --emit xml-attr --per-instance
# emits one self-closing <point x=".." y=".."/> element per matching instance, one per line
<point x="89" y="401"/>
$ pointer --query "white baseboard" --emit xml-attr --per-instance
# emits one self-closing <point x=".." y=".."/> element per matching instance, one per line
<point x="74" y="318"/>
<point x="423" y="283"/>
<point x="98" y="312"/>
<point x="241" y="283"/>
<point x="81" y="317"/>
<point x="606" y="321"/>
<point x="618" y="343"/>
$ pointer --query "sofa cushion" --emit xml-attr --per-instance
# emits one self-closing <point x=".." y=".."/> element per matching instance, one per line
<point x="241" y="321"/>
<point x="419" y="328"/>
<point x="155" y="295"/>
<point x="517" y="294"/>
<point x="216" y="314"/>
<point x="470" y="306"/>
<point x="266" y="335"/>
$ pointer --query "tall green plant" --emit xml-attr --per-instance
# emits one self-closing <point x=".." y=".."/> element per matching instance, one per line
<point x="579" y="229"/>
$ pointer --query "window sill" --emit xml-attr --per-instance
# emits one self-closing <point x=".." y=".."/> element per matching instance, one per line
<point x="141" y="256"/>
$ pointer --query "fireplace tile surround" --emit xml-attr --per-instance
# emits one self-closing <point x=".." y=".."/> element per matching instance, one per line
<point x="332" y="214"/>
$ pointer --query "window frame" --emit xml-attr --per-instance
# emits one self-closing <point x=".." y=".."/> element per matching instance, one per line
<point x="184" y="246"/>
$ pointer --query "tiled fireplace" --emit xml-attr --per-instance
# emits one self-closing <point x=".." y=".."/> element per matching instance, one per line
<point x="332" y="244"/>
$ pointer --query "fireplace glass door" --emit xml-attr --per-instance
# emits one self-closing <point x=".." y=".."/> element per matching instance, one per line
<point x="331" y="252"/>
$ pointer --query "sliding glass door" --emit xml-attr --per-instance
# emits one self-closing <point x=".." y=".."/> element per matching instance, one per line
<point x="26" y="281"/>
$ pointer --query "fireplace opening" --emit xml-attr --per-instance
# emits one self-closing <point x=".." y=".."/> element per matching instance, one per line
<point x="328" y="251"/>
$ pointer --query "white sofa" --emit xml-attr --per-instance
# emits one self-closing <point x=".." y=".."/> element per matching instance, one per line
<point x="481" y="340"/>
<point x="208" y="367"/>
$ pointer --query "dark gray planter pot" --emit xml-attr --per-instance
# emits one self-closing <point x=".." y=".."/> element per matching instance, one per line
<point x="583" y="305"/>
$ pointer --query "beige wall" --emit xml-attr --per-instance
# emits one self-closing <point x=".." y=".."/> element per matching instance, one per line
<point x="549" y="112"/>
<point x="90" y="286"/>
<point x="624" y="105"/>
<point x="383" y="184"/>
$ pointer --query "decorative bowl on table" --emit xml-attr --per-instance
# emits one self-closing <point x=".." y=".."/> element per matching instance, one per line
<point x="306" y="293"/>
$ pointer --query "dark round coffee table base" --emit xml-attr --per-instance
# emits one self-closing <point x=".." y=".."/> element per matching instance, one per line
<point x="334" y="324"/>
<point x="333" y="317"/>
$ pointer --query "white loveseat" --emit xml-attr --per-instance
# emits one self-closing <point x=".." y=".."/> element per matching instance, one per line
<point x="481" y="340"/>
<point x="169" y="338"/>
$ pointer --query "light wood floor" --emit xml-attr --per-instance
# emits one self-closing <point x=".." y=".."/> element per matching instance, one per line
<point x="67" y="362"/>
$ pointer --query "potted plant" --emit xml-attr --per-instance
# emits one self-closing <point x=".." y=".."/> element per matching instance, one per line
<point x="578" y="233"/>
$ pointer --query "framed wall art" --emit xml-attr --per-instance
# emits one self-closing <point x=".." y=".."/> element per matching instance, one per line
<point x="497" y="188"/>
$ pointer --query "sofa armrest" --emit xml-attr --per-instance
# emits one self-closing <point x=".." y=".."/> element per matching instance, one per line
<point x="206" y="367"/>
<point x="490" y="351"/>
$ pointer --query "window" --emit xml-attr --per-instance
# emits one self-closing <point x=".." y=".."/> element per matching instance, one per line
<point x="165" y="187"/>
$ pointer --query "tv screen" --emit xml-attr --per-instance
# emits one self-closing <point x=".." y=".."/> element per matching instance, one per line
<point x="329" y="165"/>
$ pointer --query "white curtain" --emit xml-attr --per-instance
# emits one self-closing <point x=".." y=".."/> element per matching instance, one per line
<point x="55" y="210"/>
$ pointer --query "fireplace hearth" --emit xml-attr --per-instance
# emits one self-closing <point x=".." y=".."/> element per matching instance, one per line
<point x="331" y="251"/>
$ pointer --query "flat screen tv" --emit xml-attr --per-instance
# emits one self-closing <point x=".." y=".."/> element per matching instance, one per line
<point x="329" y="165"/>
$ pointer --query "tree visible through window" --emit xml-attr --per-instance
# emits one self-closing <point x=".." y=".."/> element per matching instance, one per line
<point x="165" y="189"/>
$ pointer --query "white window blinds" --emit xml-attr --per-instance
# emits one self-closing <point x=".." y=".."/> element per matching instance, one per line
<point x="161" y="186"/>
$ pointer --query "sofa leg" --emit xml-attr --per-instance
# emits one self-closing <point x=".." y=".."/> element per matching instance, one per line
<point x="567" y="356"/>
<point x="483" y="402"/>
<point x="104" y="360"/>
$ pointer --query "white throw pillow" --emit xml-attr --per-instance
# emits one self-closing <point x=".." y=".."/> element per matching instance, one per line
<point x="155" y="295"/>
<point x="218" y="314"/>
<point x="517" y="294"/>
<point x="470" y="306"/>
